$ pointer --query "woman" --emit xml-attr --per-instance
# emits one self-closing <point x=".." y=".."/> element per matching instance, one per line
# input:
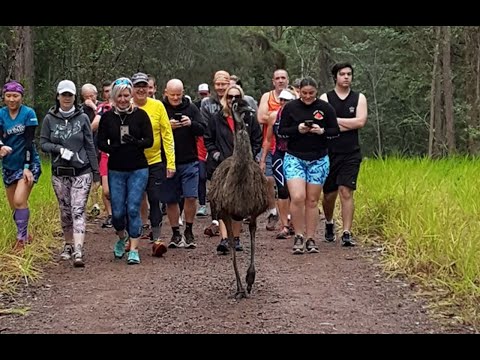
<point x="124" y="133"/>
<point x="67" y="136"/>
<point x="20" y="160"/>
<point x="219" y="143"/>
<point x="308" y="122"/>
<point x="277" y="164"/>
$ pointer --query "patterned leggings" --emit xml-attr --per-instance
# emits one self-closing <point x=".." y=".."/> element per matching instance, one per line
<point x="72" y="195"/>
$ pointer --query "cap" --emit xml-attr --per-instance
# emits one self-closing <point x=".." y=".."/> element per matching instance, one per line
<point x="66" y="86"/>
<point x="139" y="78"/>
<point x="286" y="95"/>
<point x="203" y="87"/>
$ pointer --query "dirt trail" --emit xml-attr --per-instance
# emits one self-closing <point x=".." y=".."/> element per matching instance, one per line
<point x="338" y="290"/>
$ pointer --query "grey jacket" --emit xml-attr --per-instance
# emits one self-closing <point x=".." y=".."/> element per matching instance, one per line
<point x="73" y="133"/>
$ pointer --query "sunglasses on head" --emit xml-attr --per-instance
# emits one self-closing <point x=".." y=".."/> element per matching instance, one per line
<point x="230" y="97"/>
<point x="121" y="82"/>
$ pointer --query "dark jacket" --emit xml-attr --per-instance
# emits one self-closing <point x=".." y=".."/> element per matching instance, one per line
<point x="185" y="137"/>
<point x="219" y="137"/>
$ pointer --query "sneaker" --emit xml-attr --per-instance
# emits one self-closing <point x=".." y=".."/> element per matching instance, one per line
<point x="146" y="232"/>
<point x="78" y="257"/>
<point x="189" y="240"/>
<point x="223" y="246"/>
<point x="177" y="241"/>
<point x="298" y="245"/>
<point x="238" y="246"/>
<point x="108" y="222"/>
<point x="347" y="239"/>
<point x="291" y="230"/>
<point x="133" y="258"/>
<point x="310" y="246"/>
<point x="19" y="246"/>
<point x="119" y="249"/>
<point x="285" y="233"/>
<point x="212" y="230"/>
<point x="271" y="222"/>
<point x="67" y="251"/>
<point x="202" y="210"/>
<point x="159" y="248"/>
<point x="95" y="210"/>
<point x="330" y="232"/>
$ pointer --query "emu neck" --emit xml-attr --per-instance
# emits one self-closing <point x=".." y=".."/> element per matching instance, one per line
<point x="242" y="150"/>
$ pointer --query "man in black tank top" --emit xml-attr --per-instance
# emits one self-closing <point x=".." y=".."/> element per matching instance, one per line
<point x="344" y="151"/>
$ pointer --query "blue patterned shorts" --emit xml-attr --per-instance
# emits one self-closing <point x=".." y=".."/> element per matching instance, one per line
<point x="313" y="172"/>
<point x="11" y="176"/>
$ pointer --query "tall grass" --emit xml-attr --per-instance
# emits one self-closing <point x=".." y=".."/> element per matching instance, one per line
<point x="44" y="226"/>
<point x="426" y="215"/>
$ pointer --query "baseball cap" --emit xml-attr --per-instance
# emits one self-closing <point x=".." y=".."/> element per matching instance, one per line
<point x="139" y="78"/>
<point x="66" y="86"/>
<point x="203" y="87"/>
<point x="286" y="95"/>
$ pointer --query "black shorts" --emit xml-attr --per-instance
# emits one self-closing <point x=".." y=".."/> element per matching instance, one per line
<point x="344" y="169"/>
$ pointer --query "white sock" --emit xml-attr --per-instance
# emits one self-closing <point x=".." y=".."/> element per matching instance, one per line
<point x="329" y="222"/>
<point x="215" y="222"/>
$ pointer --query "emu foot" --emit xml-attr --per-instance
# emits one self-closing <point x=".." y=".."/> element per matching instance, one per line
<point x="240" y="295"/>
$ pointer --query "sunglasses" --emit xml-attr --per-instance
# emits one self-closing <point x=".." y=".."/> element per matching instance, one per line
<point x="66" y="94"/>
<point x="122" y="82"/>
<point x="230" y="97"/>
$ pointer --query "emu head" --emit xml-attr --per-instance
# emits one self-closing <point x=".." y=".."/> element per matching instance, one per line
<point x="239" y="108"/>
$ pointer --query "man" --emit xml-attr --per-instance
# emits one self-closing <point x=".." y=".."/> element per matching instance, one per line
<point x="209" y="107"/>
<point x="344" y="151"/>
<point x="152" y="86"/>
<point x="203" y="92"/>
<point x="157" y="169"/>
<point x="267" y="114"/>
<point x="187" y="123"/>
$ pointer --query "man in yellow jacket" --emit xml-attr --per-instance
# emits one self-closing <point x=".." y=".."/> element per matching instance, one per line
<point x="162" y="139"/>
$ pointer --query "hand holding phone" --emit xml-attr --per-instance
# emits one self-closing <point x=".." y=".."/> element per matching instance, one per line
<point x="124" y="130"/>
<point x="309" y="123"/>
<point x="177" y="116"/>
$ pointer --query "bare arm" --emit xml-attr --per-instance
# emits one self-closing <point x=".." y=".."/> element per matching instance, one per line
<point x="357" y="122"/>
<point x="262" y="114"/>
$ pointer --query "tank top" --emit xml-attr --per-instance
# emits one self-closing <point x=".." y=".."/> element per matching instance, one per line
<point x="347" y="142"/>
<point x="273" y="105"/>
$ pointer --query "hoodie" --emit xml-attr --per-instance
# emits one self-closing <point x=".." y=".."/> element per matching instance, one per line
<point x="73" y="133"/>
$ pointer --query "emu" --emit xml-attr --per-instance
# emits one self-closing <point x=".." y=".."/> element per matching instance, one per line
<point x="238" y="191"/>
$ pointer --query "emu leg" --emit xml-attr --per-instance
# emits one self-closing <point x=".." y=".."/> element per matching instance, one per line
<point x="231" y="244"/>
<point x="250" y="278"/>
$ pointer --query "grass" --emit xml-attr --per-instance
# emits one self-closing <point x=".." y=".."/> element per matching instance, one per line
<point x="425" y="214"/>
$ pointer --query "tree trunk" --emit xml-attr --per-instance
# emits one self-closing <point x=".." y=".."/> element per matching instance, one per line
<point x="448" y="92"/>
<point x="433" y="92"/>
<point x="21" y="64"/>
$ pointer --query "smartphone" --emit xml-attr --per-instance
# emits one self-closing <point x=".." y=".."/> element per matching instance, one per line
<point x="123" y="130"/>
<point x="309" y="123"/>
<point x="177" y="116"/>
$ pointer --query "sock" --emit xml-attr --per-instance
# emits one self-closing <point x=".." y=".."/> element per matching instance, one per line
<point x="329" y="221"/>
<point x="189" y="227"/>
<point x="21" y="217"/>
<point x="176" y="230"/>
<point x="272" y="211"/>
<point x="215" y="222"/>
<point x="156" y="232"/>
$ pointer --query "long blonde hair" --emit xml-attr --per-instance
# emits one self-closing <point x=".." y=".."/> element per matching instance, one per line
<point x="226" y="110"/>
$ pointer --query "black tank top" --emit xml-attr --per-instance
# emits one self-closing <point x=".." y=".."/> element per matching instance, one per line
<point x="347" y="142"/>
